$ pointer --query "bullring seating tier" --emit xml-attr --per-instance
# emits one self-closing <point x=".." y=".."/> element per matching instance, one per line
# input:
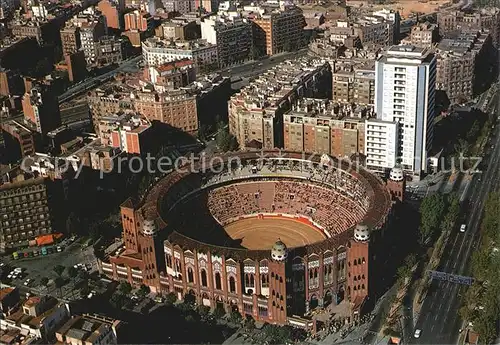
<point x="355" y="195"/>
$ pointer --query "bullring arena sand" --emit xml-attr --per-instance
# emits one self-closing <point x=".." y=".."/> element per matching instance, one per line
<point x="405" y="7"/>
<point x="262" y="233"/>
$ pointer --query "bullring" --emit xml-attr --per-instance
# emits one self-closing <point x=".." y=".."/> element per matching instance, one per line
<point x="211" y="233"/>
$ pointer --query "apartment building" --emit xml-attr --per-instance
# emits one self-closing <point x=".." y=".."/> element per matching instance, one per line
<point x="109" y="49"/>
<point x="452" y="22"/>
<point x="36" y="317"/>
<point x="90" y="329"/>
<point x="424" y="34"/>
<point x="232" y="35"/>
<point x="256" y="112"/>
<point x="391" y="16"/>
<point x="381" y="145"/>
<point x="171" y="75"/>
<point x="137" y="20"/>
<point x="113" y="11"/>
<point x="156" y="51"/>
<point x="370" y="29"/>
<point x="464" y="65"/>
<point x="77" y="66"/>
<point x="40" y="107"/>
<point x="179" y="29"/>
<point x="108" y="101"/>
<point x="124" y="131"/>
<point x="181" y="6"/>
<point x="92" y="26"/>
<point x="31" y="29"/>
<point x="176" y="108"/>
<point x="18" y="139"/>
<point x="405" y="78"/>
<point x="277" y="29"/>
<point x="28" y="208"/>
<point x="353" y="81"/>
<point x="70" y="40"/>
<point x="322" y="126"/>
<point x="11" y="83"/>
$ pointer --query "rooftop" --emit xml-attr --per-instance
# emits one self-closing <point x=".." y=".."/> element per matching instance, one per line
<point x="424" y="27"/>
<point x="16" y="127"/>
<point x="88" y="328"/>
<point x="465" y="42"/>
<point x="269" y="89"/>
<point x="174" y="65"/>
<point x="4" y="292"/>
<point x="155" y="42"/>
<point x="323" y="108"/>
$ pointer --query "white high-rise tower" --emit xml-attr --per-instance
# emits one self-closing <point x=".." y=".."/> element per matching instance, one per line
<point x="405" y="78"/>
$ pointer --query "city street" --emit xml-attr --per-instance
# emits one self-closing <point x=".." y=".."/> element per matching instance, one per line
<point x="439" y="317"/>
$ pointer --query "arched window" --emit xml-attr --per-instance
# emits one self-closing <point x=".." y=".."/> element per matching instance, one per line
<point x="218" y="284"/>
<point x="204" y="277"/>
<point x="190" y="275"/>
<point x="264" y="280"/>
<point x="232" y="284"/>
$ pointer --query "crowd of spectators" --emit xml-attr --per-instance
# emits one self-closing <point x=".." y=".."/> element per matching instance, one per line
<point x="331" y="209"/>
<point x="334" y="199"/>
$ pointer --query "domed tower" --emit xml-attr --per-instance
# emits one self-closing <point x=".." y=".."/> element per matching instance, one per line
<point x="277" y="302"/>
<point x="358" y="257"/>
<point x="362" y="233"/>
<point x="279" y="252"/>
<point x="149" y="227"/>
<point x="396" y="183"/>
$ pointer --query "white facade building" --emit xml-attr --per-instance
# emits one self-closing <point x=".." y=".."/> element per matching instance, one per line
<point x="381" y="145"/>
<point x="405" y="78"/>
<point x="157" y="52"/>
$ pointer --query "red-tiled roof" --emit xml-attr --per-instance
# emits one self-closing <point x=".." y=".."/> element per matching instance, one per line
<point x="174" y="64"/>
<point x="4" y="292"/>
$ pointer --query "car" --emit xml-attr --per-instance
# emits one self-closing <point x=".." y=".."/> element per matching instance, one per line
<point x="463" y="227"/>
<point x="417" y="333"/>
<point x="27" y="282"/>
<point x="59" y="249"/>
